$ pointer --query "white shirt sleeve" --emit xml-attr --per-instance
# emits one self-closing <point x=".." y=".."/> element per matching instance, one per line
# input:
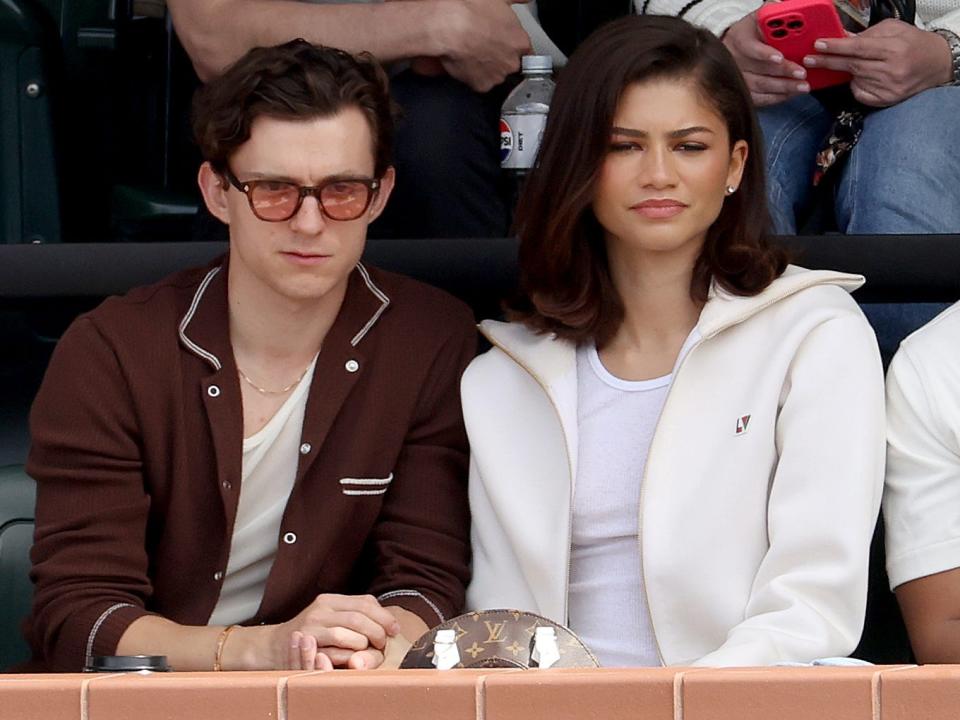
<point x="922" y="492"/>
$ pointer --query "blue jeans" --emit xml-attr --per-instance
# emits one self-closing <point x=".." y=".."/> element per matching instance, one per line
<point x="902" y="177"/>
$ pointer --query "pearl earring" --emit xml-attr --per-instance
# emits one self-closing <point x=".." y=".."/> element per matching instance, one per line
<point x="731" y="189"/>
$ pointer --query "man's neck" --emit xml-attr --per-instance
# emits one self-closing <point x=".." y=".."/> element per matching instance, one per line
<point x="266" y="328"/>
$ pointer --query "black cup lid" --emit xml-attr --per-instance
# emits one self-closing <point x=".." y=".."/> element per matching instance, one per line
<point x="127" y="663"/>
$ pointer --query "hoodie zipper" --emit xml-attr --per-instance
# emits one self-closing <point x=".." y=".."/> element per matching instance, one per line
<point x="566" y="447"/>
<point x="643" y="488"/>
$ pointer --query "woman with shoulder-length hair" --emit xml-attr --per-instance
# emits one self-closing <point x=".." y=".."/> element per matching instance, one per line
<point x="677" y="445"/>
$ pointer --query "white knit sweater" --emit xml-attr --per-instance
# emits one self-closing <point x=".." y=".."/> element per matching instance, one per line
<point x="718" y="15"/>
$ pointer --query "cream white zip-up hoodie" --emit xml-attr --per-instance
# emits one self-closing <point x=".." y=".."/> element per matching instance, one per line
<point x="761" y="489"/>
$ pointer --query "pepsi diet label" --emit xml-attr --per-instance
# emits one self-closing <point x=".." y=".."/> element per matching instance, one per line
<point x="519" y="139"/>
<point x="506" y="141"/>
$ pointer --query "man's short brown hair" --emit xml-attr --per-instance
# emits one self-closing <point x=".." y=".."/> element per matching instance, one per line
<point x="293" y="81"/>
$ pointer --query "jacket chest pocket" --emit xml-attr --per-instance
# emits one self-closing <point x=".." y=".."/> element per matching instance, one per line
<point x="365" y="486"/>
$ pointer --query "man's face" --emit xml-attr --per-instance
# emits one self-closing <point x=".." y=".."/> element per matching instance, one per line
<point x="309" y="256"/>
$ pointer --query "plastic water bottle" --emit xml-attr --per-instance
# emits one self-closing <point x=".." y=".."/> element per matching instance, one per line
<point x="524" y="115"/>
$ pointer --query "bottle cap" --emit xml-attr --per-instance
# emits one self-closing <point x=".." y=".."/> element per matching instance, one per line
<point x="536" y="63"/>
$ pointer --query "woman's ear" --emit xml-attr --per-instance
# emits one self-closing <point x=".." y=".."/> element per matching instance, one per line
<point x="213" y="187"/>
<point x="738" y="163"/>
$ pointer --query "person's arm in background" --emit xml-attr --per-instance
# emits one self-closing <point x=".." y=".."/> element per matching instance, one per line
<point x="921" y="504"/>
<point x="770" y="77"/>
<point x="890" y="61"/>
<point x="477" y="41"/>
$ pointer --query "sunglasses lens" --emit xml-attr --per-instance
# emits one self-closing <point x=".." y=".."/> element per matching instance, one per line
<point x="345" y="200"/>
<point x="274" y="200"/>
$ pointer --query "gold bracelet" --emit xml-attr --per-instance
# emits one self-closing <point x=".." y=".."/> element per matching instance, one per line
<point x="221" y="641"/>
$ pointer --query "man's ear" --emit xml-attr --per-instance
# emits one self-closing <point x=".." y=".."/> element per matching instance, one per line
<point x="379" y="201"/>
<point x="214" y="187"/>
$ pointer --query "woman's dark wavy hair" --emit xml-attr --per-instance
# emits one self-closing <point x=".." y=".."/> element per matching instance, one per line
<point x="292" y="81"/>
<point x="565" y="283"/>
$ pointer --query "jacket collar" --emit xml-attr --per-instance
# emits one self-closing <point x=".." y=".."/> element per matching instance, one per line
<point x="551" y="360"/>
<point x="724" y="309"/>
<point x="204" y="327"/>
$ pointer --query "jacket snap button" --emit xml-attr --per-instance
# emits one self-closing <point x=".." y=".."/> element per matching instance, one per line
<point x="352" y="366"/>
<point x="305" y="448"/>
<point x="218" y="575"/>
<point x="290" y="538"/>
<point x="227" y="485"/>
<point x="213" y="391"/>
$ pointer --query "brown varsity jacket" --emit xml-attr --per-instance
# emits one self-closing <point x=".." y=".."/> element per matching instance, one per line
<point x="137" y="442"/>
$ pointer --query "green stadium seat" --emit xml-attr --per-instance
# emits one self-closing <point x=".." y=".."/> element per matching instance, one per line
<point x="94" y="140"/>
<point x="29" y="186"/>
<point x="17" y="500"/>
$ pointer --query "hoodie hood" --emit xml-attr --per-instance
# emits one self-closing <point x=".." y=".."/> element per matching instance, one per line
<point x="546" y="357"/>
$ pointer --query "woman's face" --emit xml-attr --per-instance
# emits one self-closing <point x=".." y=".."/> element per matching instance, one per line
<point x="664" y="178"/>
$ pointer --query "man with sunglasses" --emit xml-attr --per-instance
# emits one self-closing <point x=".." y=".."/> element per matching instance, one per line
<point x="261" y="463"/>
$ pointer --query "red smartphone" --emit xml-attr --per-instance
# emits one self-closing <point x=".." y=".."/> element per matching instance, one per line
<point x="792" y="26"/>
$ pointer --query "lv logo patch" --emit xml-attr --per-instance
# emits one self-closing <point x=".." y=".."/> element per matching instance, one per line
<point x="743" y="423"/>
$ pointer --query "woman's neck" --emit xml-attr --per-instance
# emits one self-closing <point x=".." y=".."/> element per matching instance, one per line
<point x="659" y="314"/>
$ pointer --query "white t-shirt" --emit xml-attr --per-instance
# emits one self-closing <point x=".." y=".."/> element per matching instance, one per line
<point x="616" y="421"/>
<point x="269" y="470"/>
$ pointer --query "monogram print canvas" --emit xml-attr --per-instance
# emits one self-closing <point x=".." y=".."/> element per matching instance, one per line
<point x="499" y="639"/>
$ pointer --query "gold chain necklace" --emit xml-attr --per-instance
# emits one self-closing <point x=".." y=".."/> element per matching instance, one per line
<point x="281" y="391"/>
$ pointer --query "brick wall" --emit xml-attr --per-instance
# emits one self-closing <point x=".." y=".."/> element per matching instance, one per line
<point x="863" y="693"/>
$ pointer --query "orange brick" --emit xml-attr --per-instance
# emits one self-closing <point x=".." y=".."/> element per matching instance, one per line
<point x="607" y="694"/>
<point x="808" y="693"/>
<point x="384" y="695"/>
<point x="40" y="697"/>
<point x="198" y="696"/>
<point x="930" y="692"/>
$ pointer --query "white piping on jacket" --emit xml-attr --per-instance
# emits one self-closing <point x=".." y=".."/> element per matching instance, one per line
<point x="367" y="481"/>
<point x="209" y="357"/>
<point x="215" y="361"/>
<point x="384" y="302"/>
<point x="88" y="656"/>
<point x="412" y="593"/>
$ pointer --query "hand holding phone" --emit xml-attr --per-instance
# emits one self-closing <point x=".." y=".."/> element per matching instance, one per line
<point x="792" y="26"/>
